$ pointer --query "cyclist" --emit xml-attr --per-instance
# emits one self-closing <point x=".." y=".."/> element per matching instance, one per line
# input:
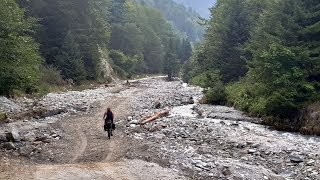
<point x="108" y="122"/>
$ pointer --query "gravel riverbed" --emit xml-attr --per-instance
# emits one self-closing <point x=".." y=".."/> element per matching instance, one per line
<point x="202" y="141"/>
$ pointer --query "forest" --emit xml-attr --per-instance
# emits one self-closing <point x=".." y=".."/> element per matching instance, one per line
<point x="262" y="57"/>
<point x="259" y="56"/>
<point x="45" y="43"/>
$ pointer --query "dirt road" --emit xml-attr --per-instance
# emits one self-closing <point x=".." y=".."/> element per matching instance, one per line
<point x="86" y="153"/>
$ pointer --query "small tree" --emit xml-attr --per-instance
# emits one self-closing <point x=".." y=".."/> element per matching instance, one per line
<point x="171" y="65"/>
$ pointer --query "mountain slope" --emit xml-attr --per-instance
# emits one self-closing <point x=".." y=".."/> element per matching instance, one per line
<point x="185" y="20"/>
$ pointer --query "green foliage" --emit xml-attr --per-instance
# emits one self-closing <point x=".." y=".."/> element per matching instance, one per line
<point x="226" y="36"/>
<point x="19" y="56"/>
<point x="171" y="65"/>
<point x="273" y="46"/>
<point x="51" y="76"/>
<point x="143" y="36"/>
<point x="126" y="66"/>
<point x="214" y="89"/>
<point x="70" y="60"/>
<point x="84" y="21"/>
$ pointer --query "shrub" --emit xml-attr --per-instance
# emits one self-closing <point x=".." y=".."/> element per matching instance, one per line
<point x="214" y="89"/>
<point x="51" y="76"/>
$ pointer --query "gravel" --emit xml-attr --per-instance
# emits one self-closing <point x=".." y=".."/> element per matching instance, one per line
<point x="217" y="142"/>
<point x="208" y="142"/>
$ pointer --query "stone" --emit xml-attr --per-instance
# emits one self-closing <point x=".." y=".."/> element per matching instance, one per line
<point x="129" y="118"/>
<point x="27" y="150"/>
<point x="191" y="100"/>
<point x="157" y="105"/>
<point x="9" y="146"/>
<point x="13" y="136"/>
<point x="310" y="162"/>
<point x="256" y="145"/>
<point x="241" y="145"/>
<point x="286" y="174"/>
<point x="134" y="121"/>
<point x="30" y="136"/>
<point x="226" y="172"/>
<point x="296" y="158"/>
<point x="252" y="151"/>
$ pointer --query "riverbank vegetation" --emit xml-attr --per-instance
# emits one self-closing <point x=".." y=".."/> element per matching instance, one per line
<point x="261" y="57"/>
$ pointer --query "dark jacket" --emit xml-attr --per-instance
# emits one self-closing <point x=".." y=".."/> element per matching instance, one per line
<point x="108" y="117"/>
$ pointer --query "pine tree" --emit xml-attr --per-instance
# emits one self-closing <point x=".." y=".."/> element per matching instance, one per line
<point x="171" y="62"/>
<point x="70" y="60"/>
<point x="228" y="31"/>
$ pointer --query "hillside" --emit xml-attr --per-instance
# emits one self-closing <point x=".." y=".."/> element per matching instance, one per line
<point x="183" y="19"/>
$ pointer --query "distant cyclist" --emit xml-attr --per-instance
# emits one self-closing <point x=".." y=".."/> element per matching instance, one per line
<point x="108" y="122"/>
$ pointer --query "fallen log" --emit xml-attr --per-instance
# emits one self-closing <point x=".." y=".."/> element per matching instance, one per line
<point x="154" y="117"/>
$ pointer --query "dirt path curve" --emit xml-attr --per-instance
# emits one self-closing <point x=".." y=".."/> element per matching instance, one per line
<point x="85" y="153"/>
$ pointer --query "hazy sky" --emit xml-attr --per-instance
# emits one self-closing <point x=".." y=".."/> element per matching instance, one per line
<point x="200" y="6"/>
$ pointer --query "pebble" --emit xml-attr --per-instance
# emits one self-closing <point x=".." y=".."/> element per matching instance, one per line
<point x="252" y="151"/>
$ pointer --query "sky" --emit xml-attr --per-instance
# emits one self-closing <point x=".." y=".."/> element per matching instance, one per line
<point x="200" y="6"/>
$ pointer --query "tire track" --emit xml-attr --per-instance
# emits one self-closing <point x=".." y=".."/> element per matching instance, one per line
<point x="79" y="153"/>
<point x="83" y="144"/>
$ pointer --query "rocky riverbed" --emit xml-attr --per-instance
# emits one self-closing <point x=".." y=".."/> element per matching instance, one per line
<point x="217" y="142"/>
<point x="198" y="141"/>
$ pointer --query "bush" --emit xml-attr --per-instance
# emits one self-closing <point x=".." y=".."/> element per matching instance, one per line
<point x="51" y="76"/>
<point x="214" y="89"/>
